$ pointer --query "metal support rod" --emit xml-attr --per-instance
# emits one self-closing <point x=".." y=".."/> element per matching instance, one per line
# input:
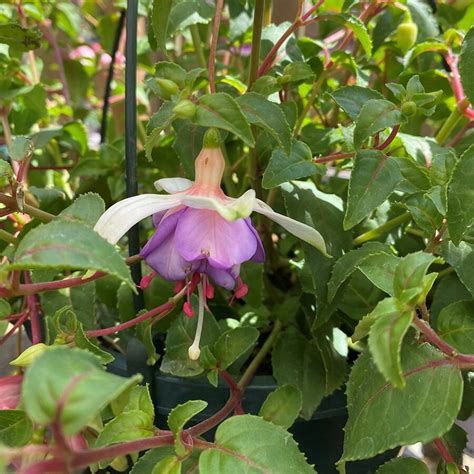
<point x="110" y="76"/>
<point x="131" y="136"/>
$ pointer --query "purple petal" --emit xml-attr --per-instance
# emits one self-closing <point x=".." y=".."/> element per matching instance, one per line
<point x="202" y="233"/>
<point x="166" y="227"/>
<point x="259" y="255"/>
<point x="224" y="278"/>
<point x="160" y="252"/>
<point x="166" y="260"/>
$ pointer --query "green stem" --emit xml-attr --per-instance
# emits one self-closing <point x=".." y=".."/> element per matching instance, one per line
<point x="261" y="354"/>
<point x="383" y="229"/>
<point x="7" y="237"/>
<point x="316" y="88"/>
<point x="449" y="126"/>
<point x="11" y="203"/>
<point x="267" y="17"/>
<point x="198" y="45"/>
<point x="256" y="40"/>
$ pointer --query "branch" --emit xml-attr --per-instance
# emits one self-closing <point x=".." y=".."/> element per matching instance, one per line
<point x="443" y="346"/>
<point x="213" y="48"/>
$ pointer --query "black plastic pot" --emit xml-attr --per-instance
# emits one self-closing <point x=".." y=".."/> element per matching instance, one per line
<point x="321" y="438"/>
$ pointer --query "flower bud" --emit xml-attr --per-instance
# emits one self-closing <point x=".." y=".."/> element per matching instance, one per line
<point x="168" y="88"/>
<point x="406" y="35"/>
<point x="185" y="109"/>
<point x="26" y="358"/>
<point x="408" y="108"/>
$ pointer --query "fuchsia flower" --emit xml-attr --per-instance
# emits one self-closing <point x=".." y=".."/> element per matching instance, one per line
<point x="200" y="232"/>
<point x="10" y="392"/>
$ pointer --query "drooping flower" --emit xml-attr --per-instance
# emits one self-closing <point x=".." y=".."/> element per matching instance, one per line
<point x="201" y="233"/>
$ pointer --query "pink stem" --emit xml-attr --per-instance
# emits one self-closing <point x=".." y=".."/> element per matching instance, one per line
<point x="51" y="38"/>
<point x="456" y="84"/>
<point x="161" y="311"/>
<point x="312" y="10"/>
<point x="213" y="49"/>
<point x="14" y="328"/>
<point x="334" y="157"/>
<point x="389" y="139"/>
<point x="443" y="346"/>
<point x="34" y="315"/>
<point x="445" y="454"/>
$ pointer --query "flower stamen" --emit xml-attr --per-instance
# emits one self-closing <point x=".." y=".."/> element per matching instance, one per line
<point x="194" y="351"/>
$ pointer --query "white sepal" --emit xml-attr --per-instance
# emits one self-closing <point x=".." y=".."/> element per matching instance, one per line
<point x="119" y="218"/>
<point x="173" y="185"/>
<point x="300" y="230"/>
<point x="230" y="209"/>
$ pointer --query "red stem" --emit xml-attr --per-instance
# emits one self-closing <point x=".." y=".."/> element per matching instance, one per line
<point x="32" y="303"/>
<point x="14" y="328"/>
<point x="443" y="346"/>
<point x="269" y="58"/>
<point x="51" y="38"/>
<point x="312" y="10"/>
<point x="213" y="49"/>
<point x="456" y="84"/>
<point x="334" y="157"/>
<point x="445" y="454"/>
<point x="389" y="139"/>
<point x="160" y="312"/>
<point x="234" y="400"/>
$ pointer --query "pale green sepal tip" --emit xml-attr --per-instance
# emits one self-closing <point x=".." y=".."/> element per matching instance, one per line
<point x="212" y="138"/>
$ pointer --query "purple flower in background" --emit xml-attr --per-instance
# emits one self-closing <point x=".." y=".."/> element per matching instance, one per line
<point x="201" y="234"/>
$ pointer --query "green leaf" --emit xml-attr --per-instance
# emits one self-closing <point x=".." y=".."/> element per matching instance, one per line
<point x="404" y="466"/>
<point x="188" y="143"/>
<point x="461" y="258"/>
<point x="282" y="406"/>
<point x="380" y="270"/>
<point x="179" y="337"/>
<point x="261" y="112"/>
<point x="283" y="167"/>
<point x="385" y="341"/>
<point x="233" y="343"/>
<point x="466" y="65"/>
<point x="431" y="388"/>
<point x="460" y="215"/>
<point x="168" y="465"/>
<point x="373" y="179"/>
<point x="160" y="19"/>
<point x="252" y="443"/>
<point x="19" y="38"/>
<point x="16" y="429"/>
<point x="349" y="262"/>
<point x="161" y="119"/>
<point x="410" y="275"/>
<point x="222" y="111"/>
<point x="354" y="24"/>
<point x="189" y="12"/>
<point x="87" y="209"/>
<point x="127" y="426"/>
<point x="5" y="308"/>
<point x="352" y="98"/>
<point x="298" y="71"/>
<point x="21" y="148"/>
<point x="179" y="416"/>
<point x="425" y="47"/>
<point x="375" y="115"/>
<point x="455" y="324"/>
<point x="304" y="369"/>
<point x="69" y="246"/>
<point x="78" y="383"/>
<point x="171" y="71"/>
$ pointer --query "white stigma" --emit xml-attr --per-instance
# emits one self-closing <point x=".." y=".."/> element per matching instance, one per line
<point x="194" y="352"/>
